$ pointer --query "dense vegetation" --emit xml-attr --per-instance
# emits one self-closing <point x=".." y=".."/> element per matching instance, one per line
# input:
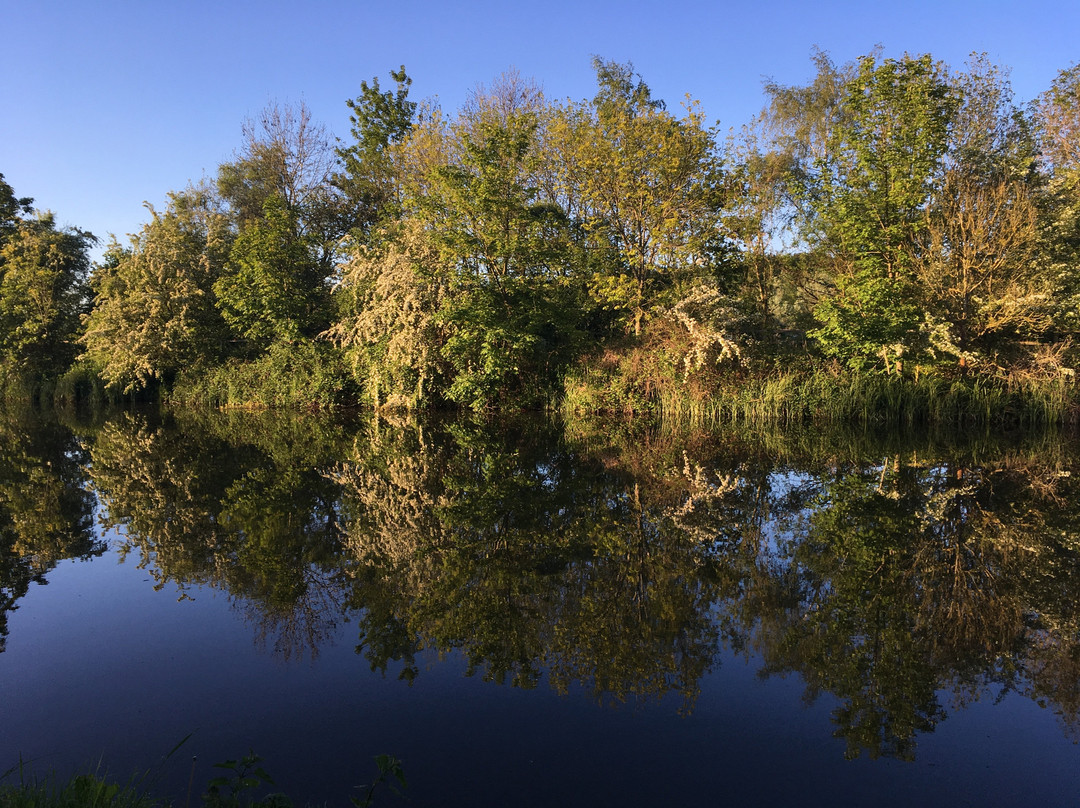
<point x="895" y="239"/>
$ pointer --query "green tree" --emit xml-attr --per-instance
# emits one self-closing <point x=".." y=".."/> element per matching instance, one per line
<point x="380" y="119"/>
<point x="1057" y="114"/>
<point x="976" y="270"/>
<point x="387" y="303"/>
<point x="650" y="187"/>
<point x="288" y="156"/>
<point x="272" y="289"/>
<point x="154" y="305"/>
<point x="43" y="293"/>
<point x="868" y="198"/>
<point x="12" y="209"/>
<point x="511" y="314"/>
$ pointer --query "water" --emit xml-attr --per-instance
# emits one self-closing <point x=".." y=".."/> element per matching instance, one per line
<point x="529" y="614"/>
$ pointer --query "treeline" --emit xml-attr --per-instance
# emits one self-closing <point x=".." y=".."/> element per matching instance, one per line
<point x="895" y="225"/>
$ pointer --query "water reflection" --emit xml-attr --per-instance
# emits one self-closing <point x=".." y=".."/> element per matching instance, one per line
<point x="904" y="578"/>
<point x="234" y="503"/>
<point x="46" y="508"/>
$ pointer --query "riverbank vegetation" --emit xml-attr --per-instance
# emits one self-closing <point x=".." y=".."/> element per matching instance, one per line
<point x="244" y="784"/>
<point x="898" y="240"/>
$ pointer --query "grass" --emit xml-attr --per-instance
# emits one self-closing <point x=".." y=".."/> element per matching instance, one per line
<point x="305" y="376"/>
<point x="80" y="791"/>
<point x="236" y="787"/>
<point x="820" y="393"/>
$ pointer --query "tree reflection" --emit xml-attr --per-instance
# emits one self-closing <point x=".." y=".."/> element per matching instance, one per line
<point x="527" y="557"/>
<point x="620" y="561"/>
<point x="46" y="511"/>
<point x="910" y="582"/>
<point x="239" y="507"/>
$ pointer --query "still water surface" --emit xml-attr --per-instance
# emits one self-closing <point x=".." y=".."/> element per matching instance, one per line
<point x="527" y="613"/>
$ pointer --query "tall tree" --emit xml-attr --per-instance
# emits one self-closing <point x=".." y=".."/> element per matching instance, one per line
<point x="509" y="317"/>
<point x="650" y="186"/>
<point x="868" y="200"/>
<point x="1057" y="114"/>
<point x="287" y="155"/>
<point x="975" y="254"/>
<point x="272" y="289"/>
<point x="12" y="209"/>
<point x="379" y="119"/>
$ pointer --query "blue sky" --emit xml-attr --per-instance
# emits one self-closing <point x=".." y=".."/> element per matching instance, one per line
<point x="107" y="103"/>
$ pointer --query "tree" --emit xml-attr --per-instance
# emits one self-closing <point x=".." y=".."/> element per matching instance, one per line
<point x="154" y="305"/>
<point x="1058" y="111"/>
<point x="649" y="187"/>
<point x="868" y="200"/>
<point x="976" y="269"/>
<point x="758" y="216"/>
<point x="43" y="292"/>
<point x="12" y="209"/>
<point x="379" y="121"/>
<point x="975" y="254"/>
<point x="272" y="290"/>
<point x="510" y="315"/>
<point x="1057" y="114"/>
<point x="289" y="156"/>
<point x="386" y="305"/>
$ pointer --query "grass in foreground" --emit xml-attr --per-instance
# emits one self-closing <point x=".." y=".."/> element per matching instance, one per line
<point x="235" y="788"/>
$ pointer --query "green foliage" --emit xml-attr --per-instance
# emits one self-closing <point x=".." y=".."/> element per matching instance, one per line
<point x="43" y="293"/>
<point x="511" y="313"/>
<point x="12" y="210"/>
<point x="154" y="305"/>
<point x="81" y="791"/>
<point x="386" y="306"/>
<point x="870" y="318"/>
<point x="868" y="198"/>
<point x="305" y="375"/>
<point x="650" y="187"/>
<point x="244" y="776"/>
<point x="508" y="346"/>
<point x="379" y="120"/>
<point x="390" y="771"/>
<point x="238" y="787"/>
<point x="272" y="290"/>
<point x="472" y="259"/>
<point x="1057" y="115"/>
<point x="287" y="155"/>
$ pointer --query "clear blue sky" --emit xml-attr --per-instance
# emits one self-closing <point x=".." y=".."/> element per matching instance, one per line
<point x="107" y="103"/>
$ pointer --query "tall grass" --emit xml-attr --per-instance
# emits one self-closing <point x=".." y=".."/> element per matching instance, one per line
<point x="828" y="394"/>
<point x="82" y="791"/>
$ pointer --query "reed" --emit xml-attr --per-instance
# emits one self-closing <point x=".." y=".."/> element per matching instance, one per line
<point x="825" y="393"/>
